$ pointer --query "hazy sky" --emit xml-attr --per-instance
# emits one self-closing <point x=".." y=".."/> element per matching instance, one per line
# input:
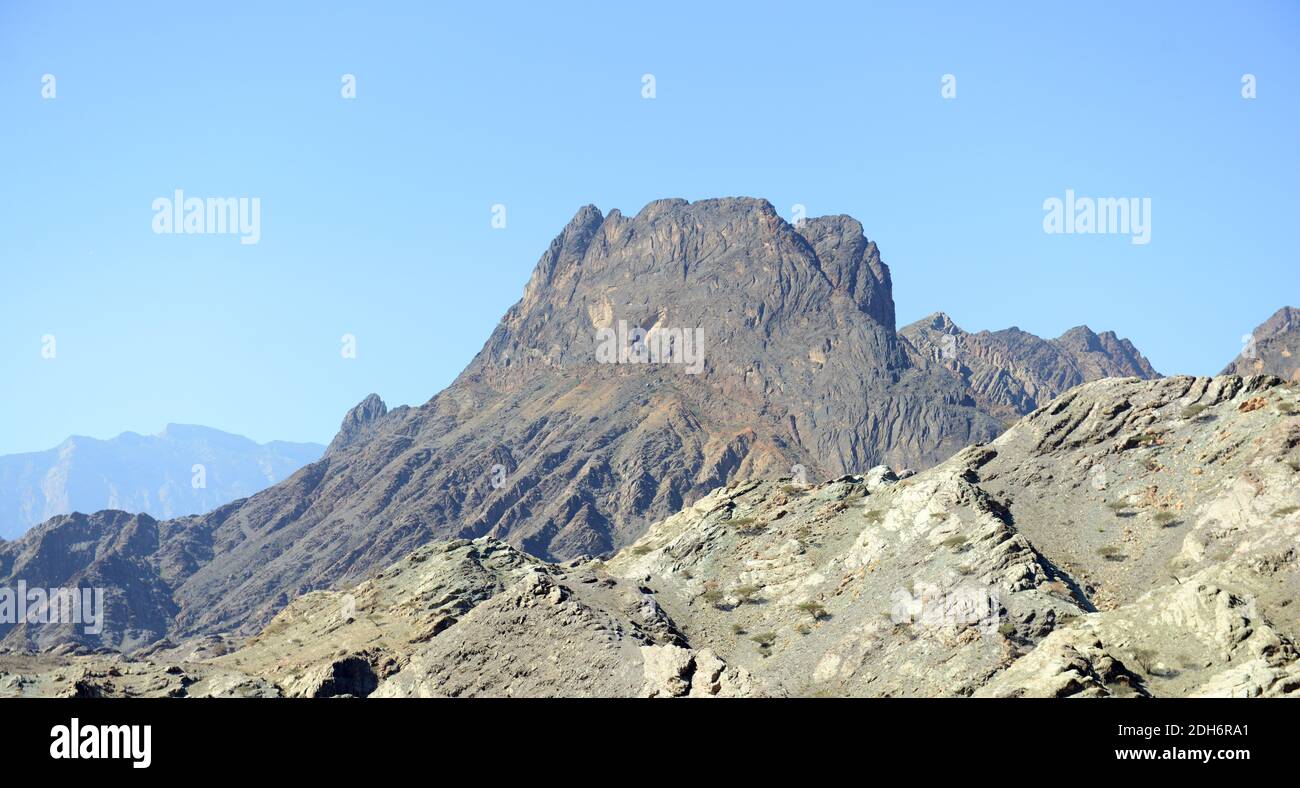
<point x="375" y="212"/>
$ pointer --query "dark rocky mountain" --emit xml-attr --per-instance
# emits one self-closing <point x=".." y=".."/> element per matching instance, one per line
<point x="154" y="474"/>
<point x="765" y="346"/>
<point x="1011" y="372"/>
<point x="1275" y="350"/>
<point x="122" y="553"/>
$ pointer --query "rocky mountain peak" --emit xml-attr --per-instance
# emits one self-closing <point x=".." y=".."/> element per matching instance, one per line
<point x="730" y="269"/>
<point x="362" y="415"/>
<point x="1273" y="347"/>
<point x="941" y="322"/>
<point x="1081" y="338"/>
<point x="1282" y="321"/>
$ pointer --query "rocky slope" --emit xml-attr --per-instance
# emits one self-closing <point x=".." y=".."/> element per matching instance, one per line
<point x="1275" y="349"/>
<point x="1129" y="538"/>
<point x="150" y="474"/>
<point x="651" y="359"/>
<point x="115" y="551"/>
<point x="1011" y="372"/>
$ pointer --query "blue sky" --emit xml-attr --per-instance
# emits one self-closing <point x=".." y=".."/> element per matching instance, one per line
<point x="375" y="212"/>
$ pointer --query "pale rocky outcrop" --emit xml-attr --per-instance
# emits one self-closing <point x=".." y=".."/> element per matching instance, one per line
<point x="1006" y="571"/>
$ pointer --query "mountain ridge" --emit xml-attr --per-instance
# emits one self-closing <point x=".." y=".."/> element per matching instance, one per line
<point x="1010" y="372"/>
<point x="541" y="444"/>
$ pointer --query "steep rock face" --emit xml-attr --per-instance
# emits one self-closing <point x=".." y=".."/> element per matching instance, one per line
<point x="153" y="474"/>
<point x="1011" y="372"/>
<point x="115" y="552"/>
<point x="799" y="365"/>
<point x="357" y="421"/>
<point x="1275" y="349"/>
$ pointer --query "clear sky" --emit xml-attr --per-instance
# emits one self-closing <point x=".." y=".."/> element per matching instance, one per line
<point x="376" y="211"/>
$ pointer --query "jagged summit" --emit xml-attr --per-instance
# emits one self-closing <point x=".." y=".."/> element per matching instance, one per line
<point x="1082" y="337"/>
<point x="939" y="321"/>
<point x="732" y="268"/>
<point x="362" y="415"/>
<point x="1284" y="320"/>
<point x="1273" y="347"/>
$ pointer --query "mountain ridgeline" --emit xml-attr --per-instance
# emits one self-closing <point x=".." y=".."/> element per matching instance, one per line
<point x="1012" y="372"/>
<point x="798" y="371"/>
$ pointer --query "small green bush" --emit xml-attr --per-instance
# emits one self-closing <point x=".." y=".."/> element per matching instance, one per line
<point x="712" y="595"/>
<point x="814" y="609"/>
<point x="1145" y="658"/>
<point x="747" y="525"/>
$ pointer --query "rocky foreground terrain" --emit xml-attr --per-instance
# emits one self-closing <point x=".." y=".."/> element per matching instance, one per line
<point x="795" y="369"/>
<point x="1128" y="538"/>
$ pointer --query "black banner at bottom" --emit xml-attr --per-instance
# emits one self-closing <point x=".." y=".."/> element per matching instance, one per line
<point x="209" y="738"/>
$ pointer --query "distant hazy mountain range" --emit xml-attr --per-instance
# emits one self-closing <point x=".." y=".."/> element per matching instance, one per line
<point x="155" y="474"/>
